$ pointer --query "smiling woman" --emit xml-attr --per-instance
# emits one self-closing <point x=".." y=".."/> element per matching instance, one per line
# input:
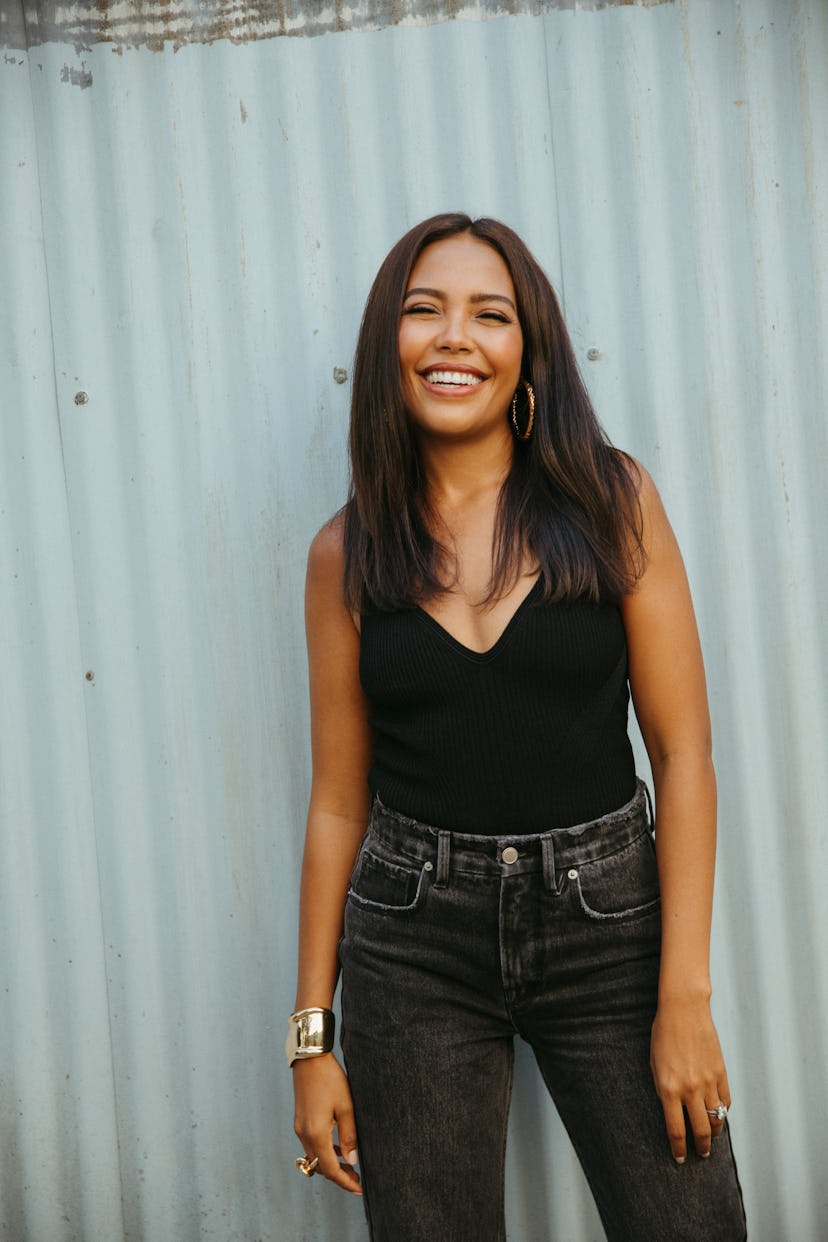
<point x="460" y="343"/>
<point x="500" y="583"/>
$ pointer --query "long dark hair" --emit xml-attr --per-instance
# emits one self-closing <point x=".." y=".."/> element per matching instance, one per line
<point x="569" y="500"/>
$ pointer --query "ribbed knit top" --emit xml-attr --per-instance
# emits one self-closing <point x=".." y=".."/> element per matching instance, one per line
<point x="529" y="735"/>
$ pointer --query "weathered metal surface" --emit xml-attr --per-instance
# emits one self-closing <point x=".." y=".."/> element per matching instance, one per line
<point x="187" y="239"/>
<point x="156" y="23"/>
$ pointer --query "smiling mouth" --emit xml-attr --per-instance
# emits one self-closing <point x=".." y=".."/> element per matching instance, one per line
<point x="452" y="379"/>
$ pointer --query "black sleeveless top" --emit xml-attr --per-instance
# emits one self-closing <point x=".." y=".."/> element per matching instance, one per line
<point x="529" y="735"/>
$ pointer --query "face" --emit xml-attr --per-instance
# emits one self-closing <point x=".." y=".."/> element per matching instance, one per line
<point x="460" y="341"/>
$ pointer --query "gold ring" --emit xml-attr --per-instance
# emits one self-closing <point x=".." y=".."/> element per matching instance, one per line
<point x="306" y="1166"/>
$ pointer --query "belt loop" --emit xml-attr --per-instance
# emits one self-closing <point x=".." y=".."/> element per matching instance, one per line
<point x="548" y="855"/>
<point x="650" y="811"/>
<point x="443" y="858"/>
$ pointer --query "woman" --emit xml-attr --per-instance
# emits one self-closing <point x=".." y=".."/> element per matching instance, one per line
<point x="498" y="579"/>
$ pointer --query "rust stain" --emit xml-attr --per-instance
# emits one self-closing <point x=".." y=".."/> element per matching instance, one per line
<point x="76" y="77"/>
<point x="157" y="24"/>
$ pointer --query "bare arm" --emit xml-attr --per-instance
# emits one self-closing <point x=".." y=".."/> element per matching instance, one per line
<point x="670" y="697"/>
<point x="337" y="818"/>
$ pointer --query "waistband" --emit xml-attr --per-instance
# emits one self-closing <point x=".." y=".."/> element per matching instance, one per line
<point x="550" y="851"/>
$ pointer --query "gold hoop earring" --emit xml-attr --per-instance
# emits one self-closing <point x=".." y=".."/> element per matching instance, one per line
<point x="530" y="422"/>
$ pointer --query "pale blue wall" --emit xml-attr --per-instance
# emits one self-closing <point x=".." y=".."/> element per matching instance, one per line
<point x="187" y="237"/>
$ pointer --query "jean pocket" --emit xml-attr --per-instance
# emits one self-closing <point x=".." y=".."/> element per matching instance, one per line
<point x="623" y="885"/>
<point x="380" y="884"/>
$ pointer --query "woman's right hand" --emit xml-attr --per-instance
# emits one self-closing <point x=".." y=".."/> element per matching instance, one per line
<point x="323" y="1103"/>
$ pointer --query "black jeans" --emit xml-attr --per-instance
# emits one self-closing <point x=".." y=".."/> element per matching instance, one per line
<point x="453" y="944"/>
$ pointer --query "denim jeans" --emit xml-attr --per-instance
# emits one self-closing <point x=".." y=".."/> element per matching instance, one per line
<point x="454" y="943"/>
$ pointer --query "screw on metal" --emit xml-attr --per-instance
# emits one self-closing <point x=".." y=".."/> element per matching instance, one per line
<point x="340" y="375"/>
<point x="593" y="354"/>
<point x="81" y="398"/>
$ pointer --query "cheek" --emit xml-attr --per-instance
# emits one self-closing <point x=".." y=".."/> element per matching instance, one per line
<point x="407" y="358"/>
<point x="409" y="345"/>
<point x="519" y="362"/>
<point x="512" y="364"/>
<point x="408" y="378"/>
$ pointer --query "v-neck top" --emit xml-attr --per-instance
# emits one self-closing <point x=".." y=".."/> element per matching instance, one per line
<point x="490" y="652"/>
<point x="526" y="736"/>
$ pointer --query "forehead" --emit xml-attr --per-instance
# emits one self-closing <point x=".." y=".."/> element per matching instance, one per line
<point x="462" y="263"/>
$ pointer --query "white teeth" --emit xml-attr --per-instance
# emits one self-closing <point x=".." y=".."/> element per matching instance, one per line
<point x="462" y="378"/>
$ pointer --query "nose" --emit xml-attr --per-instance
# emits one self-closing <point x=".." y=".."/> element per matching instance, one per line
<point x="453" y="334"/>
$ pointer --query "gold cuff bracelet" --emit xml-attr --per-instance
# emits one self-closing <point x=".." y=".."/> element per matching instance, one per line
<point x="310" y="1034"/>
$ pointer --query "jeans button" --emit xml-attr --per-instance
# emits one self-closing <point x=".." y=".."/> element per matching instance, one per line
<point x="509" y="855"/>
<point x="573" y="874"/>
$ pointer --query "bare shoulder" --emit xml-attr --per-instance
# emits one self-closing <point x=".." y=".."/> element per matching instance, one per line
<point x="660" y="598"/>
<point x="326" y="555"/>
<point x="639" y="476"/>
<point x="666" y="670"/>
<point x="655" y="529"/>
<point x="340" y="737"/>
<point x="326" y="566"/>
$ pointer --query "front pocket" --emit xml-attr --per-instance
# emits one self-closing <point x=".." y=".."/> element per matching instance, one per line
<point x="386" y="885"/>
<point x="620" y="886"/>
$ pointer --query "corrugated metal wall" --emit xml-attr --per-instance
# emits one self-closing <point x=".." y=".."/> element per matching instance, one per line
<point x="188" y="226"/>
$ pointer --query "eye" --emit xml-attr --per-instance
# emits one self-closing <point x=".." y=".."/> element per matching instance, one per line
<point x="495" y="316"/>
<point x="420" y="308"/>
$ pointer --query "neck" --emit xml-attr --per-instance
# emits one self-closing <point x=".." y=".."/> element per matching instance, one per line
<point x="459" y="471"/>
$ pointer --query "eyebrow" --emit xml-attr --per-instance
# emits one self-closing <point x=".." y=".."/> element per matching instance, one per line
<point x="475" y="297"/>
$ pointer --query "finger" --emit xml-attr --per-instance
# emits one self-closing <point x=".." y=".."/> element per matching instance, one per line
<point x="713" y="1108"/>
<point x="676" y="1129"/>
<point x="340" y="1174"/>
<point x="700" y="1125"/>
<point x="349" y="1158"/>
<point x="346" y="1130"/>
<point x="321" y="1148"/>
<point x="714" y="1105"/>
<point x="307" y="1164"/>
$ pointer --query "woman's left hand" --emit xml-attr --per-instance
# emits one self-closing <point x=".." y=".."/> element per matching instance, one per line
<point x="689" y="1073"/>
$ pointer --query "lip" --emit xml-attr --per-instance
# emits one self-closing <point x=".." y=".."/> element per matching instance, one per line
<point x="442" y="365"/>
<point x="454" y="390"/>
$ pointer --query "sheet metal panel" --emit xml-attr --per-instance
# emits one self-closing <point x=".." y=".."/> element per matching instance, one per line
<point x="157" y="23"/>
<point x="188" y="236"/>
<point x="59" y="1163"/>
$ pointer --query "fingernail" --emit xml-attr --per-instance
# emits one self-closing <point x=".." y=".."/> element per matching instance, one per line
<point x="350" y="1157"/>
<point x="679" y="1159"/>
<point x="705" y="1155"/>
